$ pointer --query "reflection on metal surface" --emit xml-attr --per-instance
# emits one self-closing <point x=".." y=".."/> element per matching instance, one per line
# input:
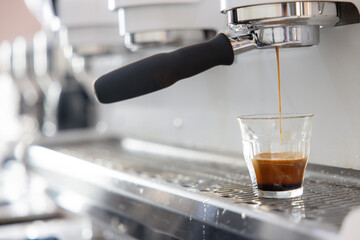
<point x="22" y="200"/>
<point x="136" y="41"/>
<point x="289" y="36"/>
<point x="289" y="13"/>
<point x="287" y="24"/>
<point x="68" y="226"/>
<point x="284" y="36"/>
<point x="138" y="146"/>
<point x="242" y="44"/>
<point x="200" y="198"/>
<point x="20" y="64"/>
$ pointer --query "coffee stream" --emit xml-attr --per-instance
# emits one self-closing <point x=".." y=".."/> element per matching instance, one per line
<point x="278" y="72"/>
<point x="279" y="171"/>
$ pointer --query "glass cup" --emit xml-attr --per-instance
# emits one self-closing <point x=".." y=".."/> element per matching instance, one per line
<point x="276" y="151"/>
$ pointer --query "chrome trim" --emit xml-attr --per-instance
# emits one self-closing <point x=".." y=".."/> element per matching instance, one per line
<point x="289" y="36"/>
<point x="289" y="24"/>
<point x="242" y="44"/>
<point x="158" y="38"/>
<point x="285" y="14"/>
<point x="283" y="36"/>
<point x="295" y="13"/>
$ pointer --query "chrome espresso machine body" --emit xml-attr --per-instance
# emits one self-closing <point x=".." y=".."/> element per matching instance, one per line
<point x="173" y="168"/>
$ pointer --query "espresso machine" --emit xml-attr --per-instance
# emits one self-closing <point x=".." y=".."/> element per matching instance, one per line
<point x="168" y="165"/>
<point x="289" y="24"/>
<point x="295" y="28"/>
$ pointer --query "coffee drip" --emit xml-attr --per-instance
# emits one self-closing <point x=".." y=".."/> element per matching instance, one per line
<point x="278" y="73"/>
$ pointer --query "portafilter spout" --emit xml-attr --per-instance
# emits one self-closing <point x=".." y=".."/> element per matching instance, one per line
<point x="294" y="24"/>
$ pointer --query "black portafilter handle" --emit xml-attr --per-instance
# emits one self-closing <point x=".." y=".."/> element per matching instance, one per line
<point x="162" y="70"/>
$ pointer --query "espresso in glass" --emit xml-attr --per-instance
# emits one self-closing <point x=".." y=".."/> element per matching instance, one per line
<point x="276" y="163"/>
<point x="279" y="171"/>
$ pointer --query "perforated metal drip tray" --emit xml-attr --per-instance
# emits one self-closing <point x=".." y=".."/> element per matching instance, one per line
<point x="177" y="193"/>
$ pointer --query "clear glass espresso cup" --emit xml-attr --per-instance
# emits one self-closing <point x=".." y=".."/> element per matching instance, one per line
<point x="276" y="151"/>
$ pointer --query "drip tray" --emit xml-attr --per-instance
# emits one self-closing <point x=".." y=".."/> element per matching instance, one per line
<point x="152" y="191"/>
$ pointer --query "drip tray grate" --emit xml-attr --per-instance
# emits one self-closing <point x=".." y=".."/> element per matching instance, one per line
<point x="329" y="193"/>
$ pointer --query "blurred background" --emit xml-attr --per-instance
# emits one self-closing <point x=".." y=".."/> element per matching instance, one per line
<point x="61" y="151"/>
<point x="16" y="20"/>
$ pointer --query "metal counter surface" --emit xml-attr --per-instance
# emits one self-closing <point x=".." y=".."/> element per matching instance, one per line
<point x="153" y="191"/>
